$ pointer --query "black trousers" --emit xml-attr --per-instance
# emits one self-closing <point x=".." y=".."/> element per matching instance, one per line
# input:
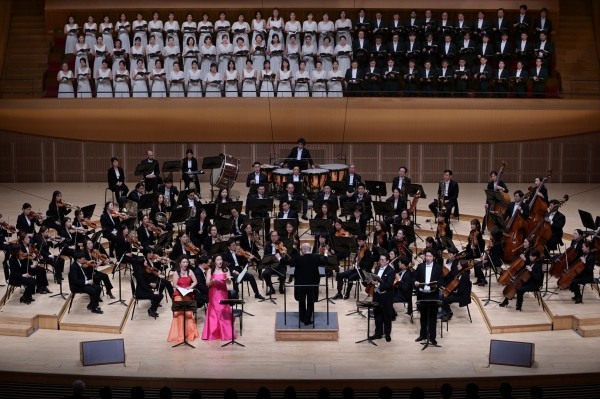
<point x="433" y="207"/>
<point x="39" y="273"/>
<point x="155" y="299"/>
<point x="29" y="284"/>
<point x="350" y="274"/>
<point x="278" y="270"/>
<point x="306" y="297"/>
<point x="102" y="277"/>
<point x="93" y="290"/>
<point x="383" y="313"/>
<point x="428" y="315"/>
<point x="574" y="287"/>
<point x="249" y="278"/>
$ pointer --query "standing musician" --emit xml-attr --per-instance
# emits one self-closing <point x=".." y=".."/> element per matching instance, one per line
<point x="280" y="268"/>
<point x="384" y="296"/>
<point x="587" y="275"/>
<point x="406" y="283"/>
<point x="557" y="221"/>
<point x="171" y="193"/>
<point x="19" y="274"/>
<point x="364" y="261"/>
<point x="448" y="189"/>
<point x="491" y="258"/>
<point x="79" y="282"/>
<point x="27" y="220"/>
<point x="290" y="195"/>
<point x="116" y="180"/>
<point x="124" y="248"/>
<point x="155" y="267"/>
<point x="299" y="156"/>
<point x="43" y="244"/>
<point x="462" y="293"/>
<point x="237" y="261"/>
<point x="111" y="223"/>
<point x="57" y="210"/>
<point x="534" y="265"/>
<point x="542" y="193"/>
<point x="307" y="279"/>
<point x="256" y="176"/>
<point x="495" y="184"/>
<point x="427" y="277"/>
<point x="93" y="259"/>
<point x="189" y="170"/>
<point x="516" y="206"/>
<point x="152" y="179"/>
<point x="401" y="181"/>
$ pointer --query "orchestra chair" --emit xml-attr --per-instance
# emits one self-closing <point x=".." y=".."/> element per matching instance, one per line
<point x="237" y="312"/>
<point x="448" y="321"/>
<point x="136" y="299"/>
<point x="9" y="291"/>
<point x="593" y="285"/>
<point x="72" y="297"/>
<point x="405" y="307"/>
<point x="106" y="194"/>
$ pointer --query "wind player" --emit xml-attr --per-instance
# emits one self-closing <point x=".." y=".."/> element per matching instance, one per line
<point x="449" y="190"/>
<point x="256" y="176"/>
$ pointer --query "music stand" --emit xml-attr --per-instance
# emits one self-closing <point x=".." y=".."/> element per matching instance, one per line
<point x="351" y="227"/>
<point x="171" y="166"/>
<point x="376" y="187"/>
<point x="298" y="186"/>
<point x="348" y="243"/>
<point x="295" y="206"/>
<point x="88" y="211"/>
<point x="232" y="303"/>
<point x="184" y="306"/>
<point x="268" y="261"/>
<point x="411" y="191"/>
<point x="144" y="168"/>
<point x="409" y="233"/>
<point x="261" y="206"/>
<point x="369" y="306"/>
<point x="337" y="187"/>
<point x="256" y="223"/>
<point x="427" y="305"/>
<point x="383" y="208"/>
<point x="183" y="196"/>
<point x="211" y="210"/>
<point x="349" y="207"/>
<point x="164" y="240"/>
<point x="279" y="224"/>
<point x="224" y="226"/>
<point x="498" y="222"/>
<point x="332" y="204"/>
<point x="179" y="215"/>
<point x="318" y="226"/>
<point x="224" y="208"/>
<point x="212" y="162"/>
<point x="587" y="220"/>
<point x="146" y="201"/>
<point x="218" y="247"/>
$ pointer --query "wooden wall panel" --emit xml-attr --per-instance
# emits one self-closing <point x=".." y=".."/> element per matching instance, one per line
<point x="96" y="160"/>
<point x="133" y="155"/>
<point x="28" y="162"/>
<point x="436" y="158"/>
<point x="574" y="165"/>
<point x="508" y="152"/>
<point x="466" y="161"/>
<point x="69" y="165"/>
<point x="366" y="158"/>
<point x="535" y="161"/>
<point x="392" y="157"/>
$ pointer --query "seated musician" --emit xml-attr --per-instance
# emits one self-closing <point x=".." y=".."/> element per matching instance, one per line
<point x="170" y="193"/>
<point x="144" y="289"/>
<point x="290" y="195"/>
<point x="91" y="272"/>
<point x="255" y="213"/>
<point x="492" y="257"/>
<point x="116" y="180"/>
<point x="193" y="203"/>
<point x="351" y="180"/>
<point x="462" y="293"/>
<point x="295" y="177"/>
<point x="401" y="181"/>
<point x="300" y="156"/>
<point x="380" y="237"/>
<point x="361" y="195"/>
<point x="197" y="229"/>
<point x="256" y="176"/>
<point x="448" y="188"/>
<point x="400" y="245"/>
<point x="286" y="212"/>
<point x="398" y="205"/>
<point x="325" y="212"/>
<point x="527" y="247"/>
<point x="27" y="220"/>
<point x="223" y="196"/>
<point x="236" y="265"/>
<point x="136" y="194"/>
<point x="152" y="179"/>
<point x="72" y="238"/>
<point x="5" y="233"/>
<point x="79" y="282"/>
<point x="147" y="233"/>
<point x="19" y="273"/>
<point x="110" y="226"/>
<point x="326" y="194"/>
<point x="250" y="241"/>
<point x="535" y="282"/>
<point x="577" y="242"/>
<point x="159" y="206"/>
<point x="43" y="244"/>
<point x="557" y="221"/>
<point x="237" y="222"/>
<point x="279" y="269"/>
<point x="57" y="210"/>
<point x="341" y="253"/>
<point x="364" y="260"/>
<point x="189" y="170"/>
<point x="516" y="206"/>
<point x="159" y="265"/>
<point x="124" y="248"/>
<point x="183" y="247"/>
<point x="201" y="288"/>
<point x="211" y="239"/>
<point x="30" y="265"/>
<point x="587" y="275"/>
<point x="406" y="282"/>
<point x="360" y="219"/>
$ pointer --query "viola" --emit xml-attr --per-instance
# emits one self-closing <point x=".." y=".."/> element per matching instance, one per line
<point x="89" y="263"/>
<point x="242" y="253"/>
<point x="11" y="229"/>
<point x="192" y="249"/>
<point x="342" y="233"/>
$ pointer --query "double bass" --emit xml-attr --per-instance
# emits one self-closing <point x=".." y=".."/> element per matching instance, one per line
<point x="517" y="229"/>
<point x="498" y="209"/>
<point x="537" y="207"/>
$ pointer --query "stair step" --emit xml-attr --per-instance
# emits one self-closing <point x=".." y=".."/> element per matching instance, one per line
<point x="587" y="320"/>
<point x="588" y="331"/>
<point x="16" y="330"/>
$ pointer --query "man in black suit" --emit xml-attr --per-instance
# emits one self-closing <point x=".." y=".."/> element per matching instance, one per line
<point x="522" y="22"/>
<point x="501" y="24"/>
<point x="413" y="23"/>
<point x="363" y="260"/>
<point x="500" y="80"/>
<point x="361" y="49"/>
<point x="430" y="50"/>
<point x="379" y="26"/>
<point x="237" y="222"/>
<point x="411" y="76"/>
<point x="448" y="189"/>
<point x="523" y="49"/>
<point x="279" y="269"/>
<point x="557" y="222"/>
<point x="360" y="196"/>
<point x="486" y="48"/>
<point x="379" y="52"/>
<point x="362" y="24"/>
<point x="372" y="79"/>
<point x="516" y="206"/>
<point x="290" y="195"/>
<point x="543" y="24"/>
<point x="544" y="49"/>
<point x="482" y="75"/>
<point x="170" y="193"/>
<point x="136" y="194"/>
<point x="462" y="293"/>
<point x="448" y="50"/>
<point x="237" y="264"/>
<point x="539" y="75"/>
<point x="519" y="79"/>
<point x="467" y="49"/>
<point x="383" y="294"/>
<point x="481" y="26"/>
<point x="255" y="213"/>
<point x="587" y="275"/>
<point x="354" y="77"/>
<point x="143" y="290"/>
<point x="256" y="176"/>
<point x="351" y="180"/>
<point x="306" y="272"/>
<point x="286" y="212"/>
<point x="445" y="79"/>
<point x="396" y="50"/>
<point x="401" y="180"/>
<point x="299" y="156"/>
<point x="413" y="47"/>
<point x="426" y="277"/>
<point x="116" y="179"/>
<point x="429" y="24"/>
<point x="391" y="78"/>
<point x="428" y="79"/>
<point x="405" y="285"/>
<point x="152" y="179"/>
<point x="79" y="283"/>
<point x="201" y="291"/>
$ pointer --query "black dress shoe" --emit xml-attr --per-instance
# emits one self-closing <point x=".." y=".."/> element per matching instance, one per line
<point x="372" y="337"/>
<point x="388" y="338"/>
<point x="100" y="300"/>
<point x="152" y="313"/>
<point x="24" y="300"/>
<point x="420" y="338"/>
<point x="97" y="311"/>
<point x="433" y="342"/>
<point x="579" y="300"/>
<point x="338" y="296"/>
<point x="258" y="296"/>
<point x="307" y="322"/>
<point x="40" y="291"/>
<point x="504" y="303"/>
<point x="110" y="295"/>
<point x="518" y="307"/>
<point x="281" y="289"/>
<point x="89" y="307"/>
<point x="304" y="217"/>
<point x="270" y="291"/>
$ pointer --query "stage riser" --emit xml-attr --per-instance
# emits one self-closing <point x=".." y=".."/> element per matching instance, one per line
<point x="306" y="335"/>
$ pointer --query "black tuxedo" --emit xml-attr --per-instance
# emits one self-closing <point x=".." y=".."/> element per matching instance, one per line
<point x="483" y="79"/>
<point x="586" y="276"/>
<point x="143" y="290"/>
<point x="77" y="279"/>
<point x="152" y="184"/>
<point x="134" y="196"/>
<point x="558" y="222"/>
<point x="445" y="82"/>
<point x="499" y="26"/>
<point x="357" y="51"/>
<point x="306" y="272"/>
<point x="380" y="55"/>
<point x="351" y="187"/>
<point x="262" y="178"/>
<point x="526" y="20"/>
<point x="292" y="214"/>
<point x="488" y="52"/>
<point x="428" y="81"/>
<point x="405" y="287"/>
<point x="539" y="87"/>
<point x="468" y="55"/>
<point x="377" y="27"/>
<point x="452" y="198"/>
<point x="17" y="269"/>
<point x="122" y="190"/>
<point x="295" y="197"/>
<point x="410" y="81"/>
<point x="384" y="295"/>
<point x="236" y="224"/>
<point x="354" y="87"/>
<point x="279" y="270"/>
<point x="429" y="26"/>
<point x="429" y="312"/>
<point x="201" y="291"/>
<point x="395" y="51"/>
<point x="391" y="79"/>
<point x="485" y="28"/>
<point x="411" y="53"/>
<point x="186" y="178"/>
<point x="26" y="224"/>
<point x="366" y="199"/>
<point x="292" y="158"/>
<point x="501" y="87"/>
<point x="505" y="53"/>
<point x="236" y="269"/>
<point x="359" y="25"/>
<point x="449" y="54"/>
<point x="396" y="182"/>
<point x="547" y="27"/>
<point x="520" y="87"/>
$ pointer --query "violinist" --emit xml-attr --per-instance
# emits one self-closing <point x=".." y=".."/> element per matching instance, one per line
<point x="447" y="193"/>
<point x="527" y="247"/>
<point x="116" y="180"/>
<point x="19" y="274"/>
<point x="146" y="290"/>
<point x="197" y="230"/>
<point x="189" y="170"/>
<point x="364" y="261"/>
<point x="476" y="243"/>
<point x="110" y="225"/>
<point x="462" y="293"/>
<point x="237" y="261"/>
<point x="79" y="221"/>
<point x="492" y="257"/>
<point x="154" y="276"/>
<point x="380" y="236"/>
<point x="406" y="282"/>
<point x="360" y="219"/>
<point x="400" y="245"/>
<point x="250" y="241"/>
<point x="147" y="233"/>
<point x="587" y="275"/>
<point x="43" y="245"/>
<point x="557" y="221"/>
<point x="170" y="193"/>
<point x="30" y="263"/>
<point x="124" y="247"/>
<point x="534" y="265"/>
<point x="28" y="219"/>
<point x="78" y="282"/>
<point x="184" y="246"/>
<point x="57" y="210"/>
<point x="324" y="246"/>
<point x="291" y="233"/>
<point x="398" y="205"/>
<point x="280" y="268"/>
<point x="443" y="229"/>
<point x="72" y="237"/>
<point x="516" y="206"/>
<point x="212" y="238"/>
<point x="91" y="272"/>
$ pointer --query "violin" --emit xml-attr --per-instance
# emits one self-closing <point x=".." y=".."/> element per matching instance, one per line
<point x="192" y="249"/>
<point x="474" y="239"/>
<point x="61" y="203"/>
<point x="8" y="227"/>
<point x="36" y="215"/>
<point x="26" y="255"/>
<point x="155" y="229"/>
<point x="89" y="224"/>
<point x="342" y="233"/>
<point x="242" y="253"/>
<point x="119" y="215"/>
<point x="279" y="247"/>
<point x="89" y="263"/>
<point x="323" y="249"/>
<point x="98" y="256"/>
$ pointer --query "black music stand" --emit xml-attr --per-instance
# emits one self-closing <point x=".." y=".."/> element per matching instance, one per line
<point x="224" y="226"/>
<point x="118" y="268"/>
<point x="183" y="196"/>
<point x="348" y="243"/>
<point x="146" y="201"/>
<point x="184" y="306"/>
<point x="319" y="226"/>
<point x="224" y="208"/>
<point x="268" y="261"/>
<point x="171" y="166"/>
<point x="376" y="188"/>
<point x="411" y="191"/>
<point x="427" y="305"/>
<point x="88" y="211"/>
<point x="179" y="215"/>
<point x="144" y="168"/>
<point x="164" y="240"/>
<point x="383" y="208"/>
<point x="279" y="224"/>
<point x="218" y="247"/>
<point x="337" y="187"/>
<point x="232" y="303"/>
<point x="369" y="306"/>
<point x="295" y="206"/>
<point x="301" y="163"/>
<point x="262" y="206"/>
<point x="349" y="207"/>
<point x="587" y="220"/>
<point x="498" y="222"/>
<point x="351" y="227"/>
<point x="256" y="223"/>
<point x="332" y="204"/>
<point x="211" y="210"/>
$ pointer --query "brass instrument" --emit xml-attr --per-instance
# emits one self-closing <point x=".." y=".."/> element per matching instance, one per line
<point x="161" y="217"/>
<point x="167" y="201"/>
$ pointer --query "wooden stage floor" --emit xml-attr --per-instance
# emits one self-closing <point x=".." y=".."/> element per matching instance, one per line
<point x="559" y="349"/>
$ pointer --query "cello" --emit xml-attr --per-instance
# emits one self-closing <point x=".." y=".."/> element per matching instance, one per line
<point x="516" y="227"/>
<point x="543" y="231"/>
<point x="452" y="285"/>
<point x="537" y="207"/>
<point x="563" y="262"/>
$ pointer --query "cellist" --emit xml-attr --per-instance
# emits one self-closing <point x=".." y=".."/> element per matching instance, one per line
<point x="534" y="265"/>
<point x="364" y="260"/>
<point x="577" y="242"/>
<point x="461" y="294"/>
<point x="516" y="206"/>
<point x="587" y="275"/>
<point x="557" y="221"/>
<point x="527" y="247"/>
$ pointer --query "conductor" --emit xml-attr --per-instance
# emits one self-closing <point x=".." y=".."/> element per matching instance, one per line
<point x="307" y="273"/>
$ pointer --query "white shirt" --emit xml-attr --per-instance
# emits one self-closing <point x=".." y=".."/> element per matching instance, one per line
<point x="447" y="47"/>
<point x="117" y="173"/>
<point x="189" y="163"/>
<point x="256" y="177"/>
<point x="380" y="274"/>
<point x="447" y="184"/>
<point x="299" y="156"/>
<point x="285" y="215"/>
<point x="518" y="73"/>
<point x="234" y="258"/>
<point x="523" y="44"/>
<point x="500" y="73"/>
<point x="502" y="45"/>
<point x="428" y="270"/>
<point x="351" y="176"/>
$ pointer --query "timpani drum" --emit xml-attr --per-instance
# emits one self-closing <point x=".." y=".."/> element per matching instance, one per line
<point x="337" y="171"/>
<point x="268" y="171"/>
<point x="315" y="178"/>
<point x="280" y="176"/>
<point x="225" y="175"/>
